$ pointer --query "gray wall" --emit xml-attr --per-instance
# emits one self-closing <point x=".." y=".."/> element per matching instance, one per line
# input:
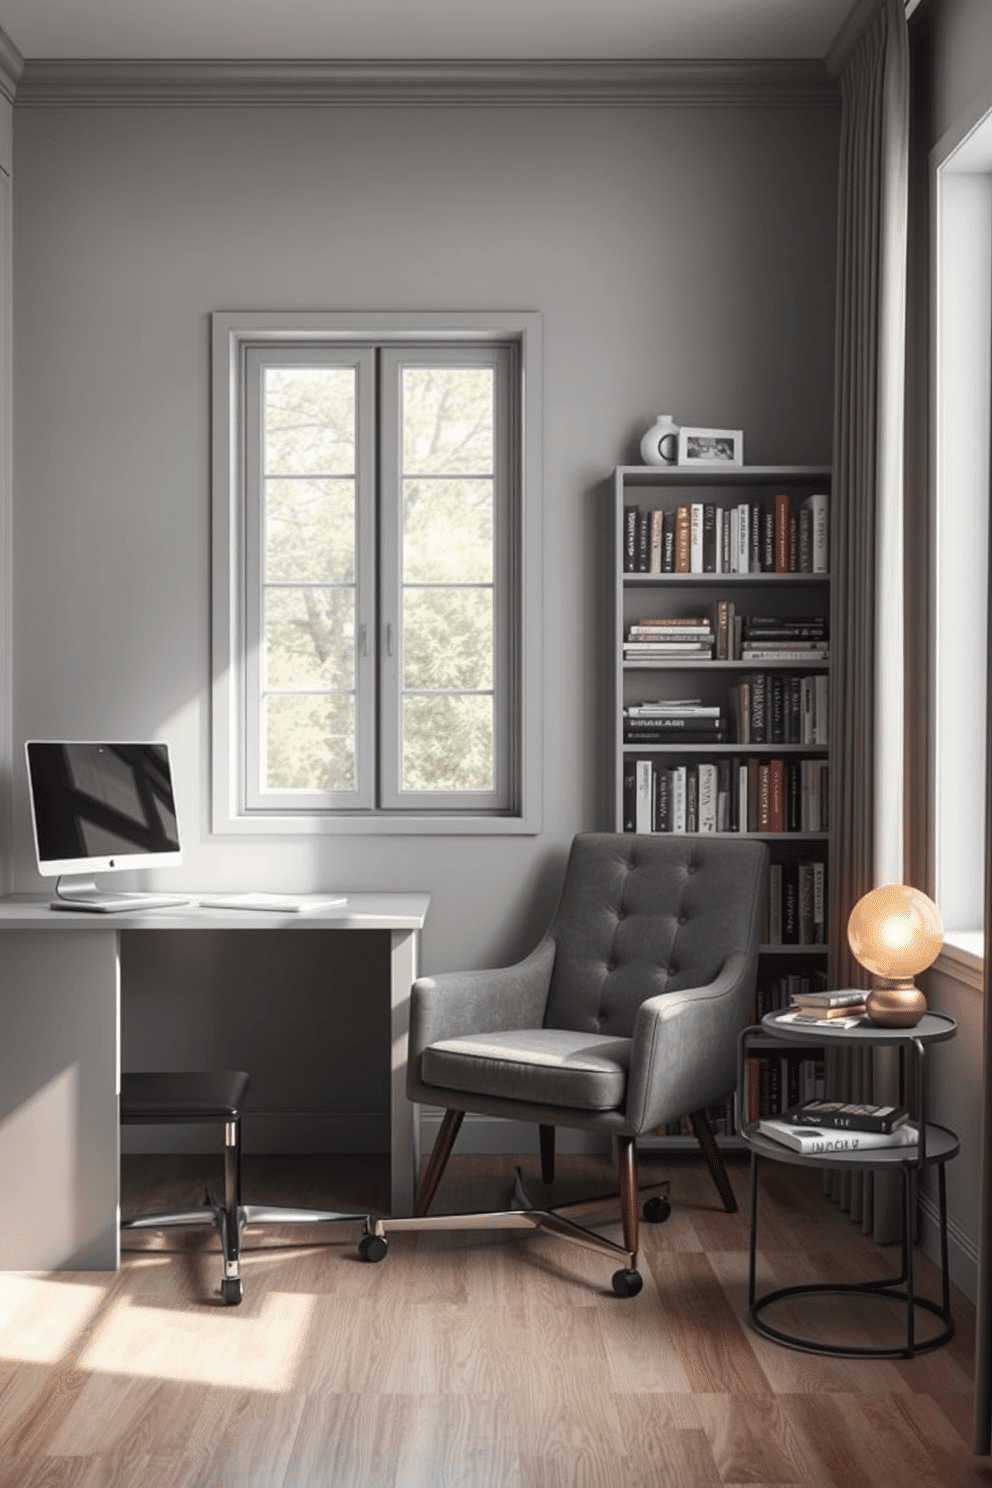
<point x="956" y="71"/>
<point x="683" y="259"/>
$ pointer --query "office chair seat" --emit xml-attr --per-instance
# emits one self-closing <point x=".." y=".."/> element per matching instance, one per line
<point x="184" y="1097"/>
<point x="195" y="1096"/>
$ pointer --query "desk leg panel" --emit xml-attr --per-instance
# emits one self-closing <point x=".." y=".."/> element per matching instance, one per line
<point x="404" y="1122"/>
<point x="59" y="1100"/>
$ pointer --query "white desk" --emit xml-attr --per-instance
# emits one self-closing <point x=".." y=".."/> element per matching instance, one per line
<point x="60" y="1063"/>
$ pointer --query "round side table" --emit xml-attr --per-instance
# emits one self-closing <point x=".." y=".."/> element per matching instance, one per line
<point x="937" y="1145"/>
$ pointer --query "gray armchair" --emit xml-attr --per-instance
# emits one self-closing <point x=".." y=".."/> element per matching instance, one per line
<point x="625" y="1017"/>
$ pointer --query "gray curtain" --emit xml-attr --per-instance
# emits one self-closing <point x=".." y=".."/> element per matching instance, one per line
<point x="866" y="686"/>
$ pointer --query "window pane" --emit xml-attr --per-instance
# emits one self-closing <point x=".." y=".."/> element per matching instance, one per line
<point x="448" y="638"/>
<point x="448" y="531"/>
<point x="309" y="421"/>
<point x="309" y="638"/>
<point x="310" y="530"/>
<point x="448" y="743"/>
<point x="309" y="743"/>
<point x="447" y="420"/>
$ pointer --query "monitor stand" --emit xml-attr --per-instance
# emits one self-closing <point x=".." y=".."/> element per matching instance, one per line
<point x="75" y="893"/>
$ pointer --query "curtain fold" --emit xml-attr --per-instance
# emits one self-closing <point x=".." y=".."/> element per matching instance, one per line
<point x="866" y="626"/>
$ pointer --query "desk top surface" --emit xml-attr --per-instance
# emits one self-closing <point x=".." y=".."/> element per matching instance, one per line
<point x="358" y="912"/>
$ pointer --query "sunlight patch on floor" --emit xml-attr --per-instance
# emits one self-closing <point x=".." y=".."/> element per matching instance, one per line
<point x="40" y="1319"/>
<point x="230" y="1349"/>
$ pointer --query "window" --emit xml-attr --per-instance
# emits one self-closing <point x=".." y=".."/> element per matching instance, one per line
<point x="962" y="424"/>
<point x="376" y="574"/>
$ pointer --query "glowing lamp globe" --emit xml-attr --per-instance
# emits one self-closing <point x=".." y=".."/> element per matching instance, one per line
<point x="895" y="932"/>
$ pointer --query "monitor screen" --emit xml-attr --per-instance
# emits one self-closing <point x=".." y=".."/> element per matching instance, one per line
<point x="96" y="807"/>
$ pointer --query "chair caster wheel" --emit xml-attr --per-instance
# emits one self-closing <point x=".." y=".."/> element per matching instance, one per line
<point x="657" y="1210"/>
<point x="231" y="1291"/>
<point x="627" y="1283"/>
<point x="373" y="1248"/>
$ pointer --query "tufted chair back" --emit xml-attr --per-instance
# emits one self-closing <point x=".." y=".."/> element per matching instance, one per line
<point x="644" y="915"/>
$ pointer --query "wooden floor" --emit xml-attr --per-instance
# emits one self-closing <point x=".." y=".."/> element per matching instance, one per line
<point x="471" y="1359"/>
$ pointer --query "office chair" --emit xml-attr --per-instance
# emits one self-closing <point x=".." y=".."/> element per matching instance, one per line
<point x="217" y="1095"/>
<point x="624" y="1018"/>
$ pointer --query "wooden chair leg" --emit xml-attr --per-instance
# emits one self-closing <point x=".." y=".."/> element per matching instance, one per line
<point x="703" y="1133"/>
<point x="627" y="1173"/>
<point x="546" y="1135"/>
<point x="438" y="1161"/>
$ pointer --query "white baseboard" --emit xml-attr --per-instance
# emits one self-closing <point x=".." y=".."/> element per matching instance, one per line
<point x="962" y="1252"/>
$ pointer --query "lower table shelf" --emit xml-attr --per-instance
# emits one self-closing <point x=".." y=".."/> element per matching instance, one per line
<point x="939" y="1146"/>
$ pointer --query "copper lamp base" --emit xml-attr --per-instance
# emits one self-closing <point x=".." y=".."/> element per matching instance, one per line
<point x="893" y="1004"/>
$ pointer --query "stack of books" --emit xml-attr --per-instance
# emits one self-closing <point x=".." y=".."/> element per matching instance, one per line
<point x="822" y="1126"/>
<point x="670" y="638"/>
<point x="785" y="638"/>
<point x="840" y="1008"/>
<point x="680" y="721"/>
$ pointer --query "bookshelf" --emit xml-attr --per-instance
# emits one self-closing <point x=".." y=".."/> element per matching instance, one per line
<point x="647" y="768"/>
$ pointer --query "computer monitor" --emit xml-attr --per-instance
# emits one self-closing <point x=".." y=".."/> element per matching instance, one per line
<point x="97" y="808"/>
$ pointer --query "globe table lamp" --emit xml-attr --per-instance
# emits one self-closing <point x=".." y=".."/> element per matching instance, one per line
<point x="895" y="932"/>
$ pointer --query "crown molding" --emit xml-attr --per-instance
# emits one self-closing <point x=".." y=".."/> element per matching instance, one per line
<point x="288" y="84"/>
<point x="11" y="67"/>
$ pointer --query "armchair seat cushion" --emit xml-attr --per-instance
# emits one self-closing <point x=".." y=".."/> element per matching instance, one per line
<point x="549" y="1066"/>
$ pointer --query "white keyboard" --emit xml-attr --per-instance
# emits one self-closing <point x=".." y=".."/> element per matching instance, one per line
<point x="275" y="903"/>
<point x="119" y="903"/>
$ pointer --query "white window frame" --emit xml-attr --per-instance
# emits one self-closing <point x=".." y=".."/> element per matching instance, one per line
<point x="236" y="564"/>
<point x="961" y="173"/>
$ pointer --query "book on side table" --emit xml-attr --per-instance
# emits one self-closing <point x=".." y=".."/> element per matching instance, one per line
<point x="846" y="1116"/>
<point x="810" y="1141"/>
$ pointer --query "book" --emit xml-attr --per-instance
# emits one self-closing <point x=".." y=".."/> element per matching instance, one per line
<point x="775" y="904"/>
<point x="846" y="1116"/>
<point x="709" y="538"/>
<point x="790" y="903"/>
<point x="696" y="537"/>
<point x="630" y="795"/>
<point x="642" y="799"/>
<point x="817" y="507"/>
<point x="783" y="520"/>
<point x="673" y="622"/>
<point x="657" y="526"/>
<point x="743" y="538"/>
<point x="768" y="541"/>
<point x="722" y="630"/>
<point x="668" y="543"/>
<point x="678" y="798"/>
<point x="682" y="539"/>
<point x="663" y="801"/>
<point x="776" y="785"/>
<point x="759" y="726"/>
<point x="811" y="1141"/>
<point x="691" y="798"/>
<point x="852" y="998"/>
<point x="643" y="541"/>
<point x="707" y="773"/>
<point x="804" y="558"/>
<point x="754" y="536"/>
<point x="827" y="1015"/>
<point x="630" y="539"/>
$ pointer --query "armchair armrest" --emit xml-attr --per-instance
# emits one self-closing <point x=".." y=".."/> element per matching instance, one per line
<point x="464" y="1002"/>
<point x="684" y="1046"/>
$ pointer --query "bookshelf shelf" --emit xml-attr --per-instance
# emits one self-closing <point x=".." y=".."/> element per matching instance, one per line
<point x="777" y="605"/>
<point x="819" y="750"/>
<point x="722" y="580"/>
<point x="693" y="664"/>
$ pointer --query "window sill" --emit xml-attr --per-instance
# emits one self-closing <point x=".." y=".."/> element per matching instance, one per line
<point x="962" y="957"/>
<point x="379" y="825"/>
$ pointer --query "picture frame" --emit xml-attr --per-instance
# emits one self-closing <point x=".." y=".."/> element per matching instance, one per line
<point x="711" y="448"/>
